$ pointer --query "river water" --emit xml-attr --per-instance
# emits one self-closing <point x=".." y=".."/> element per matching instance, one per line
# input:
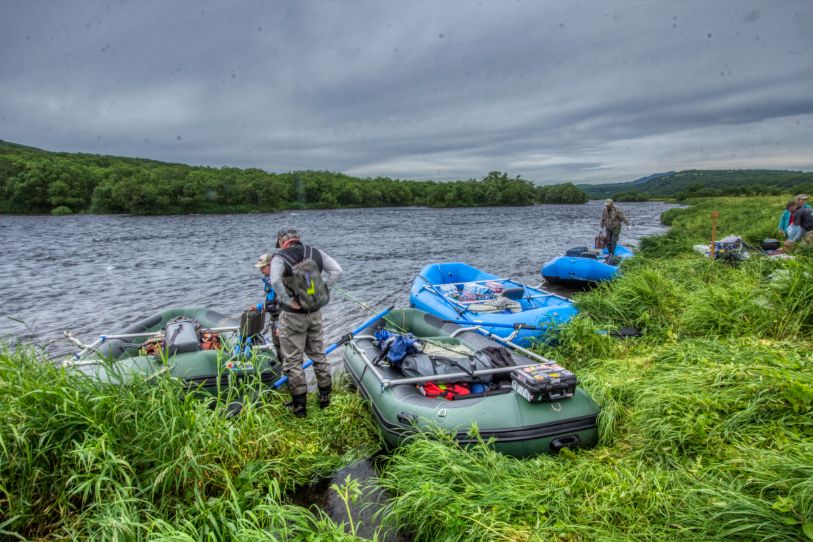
<point x="97" y="274"/>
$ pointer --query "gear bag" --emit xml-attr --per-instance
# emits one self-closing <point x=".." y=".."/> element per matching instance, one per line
<point x="305" y="282"/>
<point x="182" y="336"/>
<point x="426" y="365"/>
<point x="251" y="323"/>
<point x="395" y="347"/>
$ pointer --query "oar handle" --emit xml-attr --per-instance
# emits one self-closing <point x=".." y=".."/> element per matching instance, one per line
<point x="494" y="324"/>
<point x="345" y="338"/>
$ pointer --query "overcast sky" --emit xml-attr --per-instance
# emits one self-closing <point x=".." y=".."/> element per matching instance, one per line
<point x="553" y="91"/>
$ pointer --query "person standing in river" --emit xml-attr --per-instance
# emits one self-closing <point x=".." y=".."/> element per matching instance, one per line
<point x="611" y="219"/>
<point x="296" y="276"/>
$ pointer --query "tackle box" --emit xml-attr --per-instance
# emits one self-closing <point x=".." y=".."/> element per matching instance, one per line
<point x="544" y="382"/>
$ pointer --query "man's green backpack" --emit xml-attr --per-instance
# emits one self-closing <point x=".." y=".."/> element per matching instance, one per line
<point x="305" y="282"/>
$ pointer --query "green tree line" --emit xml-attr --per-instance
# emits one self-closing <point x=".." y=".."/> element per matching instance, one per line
<point x="37" y="181"/>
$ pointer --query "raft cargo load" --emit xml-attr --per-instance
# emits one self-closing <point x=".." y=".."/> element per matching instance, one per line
<point x="583" y="265"/>
<point x="457" y="291"/>
<point x="205" y="349"/>
<point x="451" y="377"/>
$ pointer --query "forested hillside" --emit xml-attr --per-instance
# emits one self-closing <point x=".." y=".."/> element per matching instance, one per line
<point x="38" y="181"/>
<point x="700" y="183"/>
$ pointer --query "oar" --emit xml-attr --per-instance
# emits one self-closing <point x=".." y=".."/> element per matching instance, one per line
<point x="494" y="324"/>
<point x="344" y="339"/>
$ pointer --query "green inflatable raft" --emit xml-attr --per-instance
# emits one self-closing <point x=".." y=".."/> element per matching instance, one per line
<point x="502" y="409"/>
<point x="201" y="347"/>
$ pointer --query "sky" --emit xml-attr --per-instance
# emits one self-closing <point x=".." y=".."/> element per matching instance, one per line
<point x="554" y="91"/>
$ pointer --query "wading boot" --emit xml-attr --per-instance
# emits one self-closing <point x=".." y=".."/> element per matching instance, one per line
<point x="324" y="397"/>
<point x="298" y="405"/>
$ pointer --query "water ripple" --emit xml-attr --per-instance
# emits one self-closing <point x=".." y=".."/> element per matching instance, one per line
<point x="97" y="274"/>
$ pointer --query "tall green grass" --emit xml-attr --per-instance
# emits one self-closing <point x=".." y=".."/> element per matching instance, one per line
<point x="79" y="459"/>
<point x="706" y="430"/>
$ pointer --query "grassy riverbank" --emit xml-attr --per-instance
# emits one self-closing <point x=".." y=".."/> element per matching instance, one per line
<point x="81" y="461"/>
<point x="706" y="431"/>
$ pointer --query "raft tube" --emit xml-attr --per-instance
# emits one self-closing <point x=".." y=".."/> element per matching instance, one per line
<point x="435" y="291"/>
<point x="119" y="360"/>
<point x="583" y="270"/>
<point x="507" y="421"/>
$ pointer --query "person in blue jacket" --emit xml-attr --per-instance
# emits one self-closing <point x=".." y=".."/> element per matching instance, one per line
<point x="784" y="220"/>
<point x="270" y="303"/>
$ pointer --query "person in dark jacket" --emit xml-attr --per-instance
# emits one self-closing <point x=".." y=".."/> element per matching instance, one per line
<point x="300" y="330"/>
<point x="803" y="218"/>
<point x="611" y="219"/>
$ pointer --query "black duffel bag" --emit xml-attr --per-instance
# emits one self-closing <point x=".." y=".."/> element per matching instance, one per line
<point x="769" y="244"/>
<point x="421" y="364"/>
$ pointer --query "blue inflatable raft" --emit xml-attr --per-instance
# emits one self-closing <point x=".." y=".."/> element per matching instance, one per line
<point x="457" y="291"/>
<point x="582" y="265"/>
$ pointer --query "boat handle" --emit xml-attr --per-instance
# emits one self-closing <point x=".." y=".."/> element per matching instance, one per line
<point x="407" y="418"/>
<point x="570" y="441"/>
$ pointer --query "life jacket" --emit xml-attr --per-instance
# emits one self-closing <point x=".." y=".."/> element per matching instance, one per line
<point x="450" y="392"/>
<point x="302" y="278"/>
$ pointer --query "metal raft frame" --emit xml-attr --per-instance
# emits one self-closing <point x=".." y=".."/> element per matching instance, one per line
<point x="390" y="382"/>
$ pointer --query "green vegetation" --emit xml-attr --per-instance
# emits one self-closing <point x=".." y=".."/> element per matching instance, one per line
<point x="705" y="432"/>
<point x="79" y="460"/>
<point x="705" y="183"/>
<point x="706" y="429"/>
<point x="562" y="193"/>
<point x="37" y="181"/>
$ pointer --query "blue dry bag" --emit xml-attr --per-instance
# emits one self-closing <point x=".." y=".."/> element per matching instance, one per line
<point x="395" y="347"/>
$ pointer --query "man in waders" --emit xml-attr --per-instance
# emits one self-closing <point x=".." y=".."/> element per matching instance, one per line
<point x="611" y="219"/>
<point x="296" y="276"/>
<point x="270" y="303"/>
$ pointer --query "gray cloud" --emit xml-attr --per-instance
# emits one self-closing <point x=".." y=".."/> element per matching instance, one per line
<point x="553" y="91"/>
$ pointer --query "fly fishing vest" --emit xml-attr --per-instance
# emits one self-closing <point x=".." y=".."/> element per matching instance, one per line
<point x="302" y="278"/>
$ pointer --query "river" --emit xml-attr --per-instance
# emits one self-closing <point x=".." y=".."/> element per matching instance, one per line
<point x="96" y="274"/>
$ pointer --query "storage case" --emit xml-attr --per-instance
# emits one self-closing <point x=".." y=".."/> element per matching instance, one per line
<point x="544" y="382"/>
<point x="181" y="336"/>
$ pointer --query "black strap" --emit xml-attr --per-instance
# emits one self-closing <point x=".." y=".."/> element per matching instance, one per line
<point x="174" y="335"/>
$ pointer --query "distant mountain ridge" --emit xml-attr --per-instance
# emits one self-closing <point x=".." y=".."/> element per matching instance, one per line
<point x="706" y="182"/>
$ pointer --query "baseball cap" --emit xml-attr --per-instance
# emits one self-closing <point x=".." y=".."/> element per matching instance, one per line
<point x="802" y="196"/>
<point x="264" y="259"/>
<point x="286" y="233"/>
<point x="607" y="201"/>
